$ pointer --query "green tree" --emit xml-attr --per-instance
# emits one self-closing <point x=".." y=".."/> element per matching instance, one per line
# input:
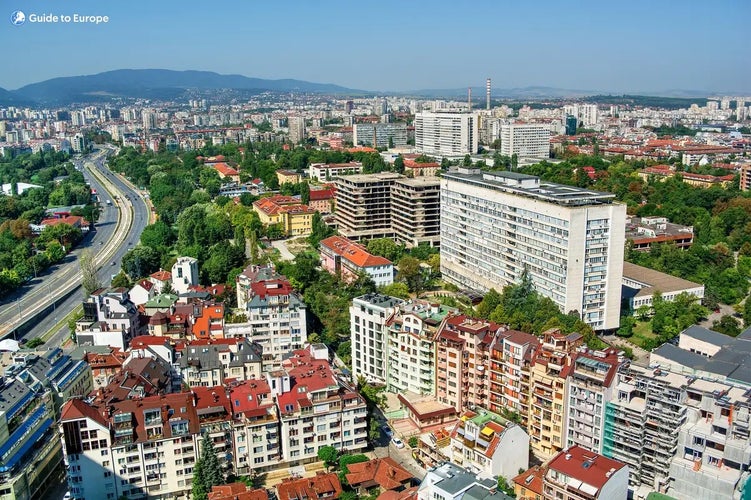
<point x="305" y="193"/>
<point x="412" y="442"/>
<point x="385" y="247"/>
<point x="157" y="235"/>
<point x="141" y="261"/>
<point x="399" y="164"/>
<point x="120" y="280"/>
<point x="33" y="343"/>
<point x="319" y="230"/>
<point x="490" y="301"/>
<point x="89" y="279"/>
<point x="412" y="274"/>
<point x="328" y="455"/>
<point x="222" y="259"/>
<point x="727" y="325"/>
<point x="505" y="487"/>
<point x="207" y="471"/>
<point x="398" y="290"/>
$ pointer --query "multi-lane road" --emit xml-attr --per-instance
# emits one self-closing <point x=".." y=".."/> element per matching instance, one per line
<point x="118" y="229"/>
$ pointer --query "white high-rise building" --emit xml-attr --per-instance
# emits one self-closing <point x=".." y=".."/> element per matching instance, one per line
<point x="446" y="134"/>
<point x="570" y="240"/>
<point x="149" y="119"/>
<point x="525" y="139"/>
<point x="379" y="135"/>
<point x="368" y="315"/>
<point x="296" y="129"/>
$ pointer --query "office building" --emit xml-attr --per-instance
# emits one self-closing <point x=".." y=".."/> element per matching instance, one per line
<point x="379" y="135"/>
<point x="368" y="316"/>
<point x="571" y="124"/>
<point x="446" y="134"/>
<point x="569" y="240"/>
<point x="525" y="140"/>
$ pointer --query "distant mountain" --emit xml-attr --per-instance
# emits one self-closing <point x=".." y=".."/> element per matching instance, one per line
<point x="10" y="98"/>
<point x="158" y="84"/>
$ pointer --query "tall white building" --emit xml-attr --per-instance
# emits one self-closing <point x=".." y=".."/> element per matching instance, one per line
<point x="525" y="139"/>
<point x="570" y="240"/>
<point x="296" y="129"/>
<point x="447" y="134"/>
<point x="379" y="134"/>
<point x="368" y="315"/>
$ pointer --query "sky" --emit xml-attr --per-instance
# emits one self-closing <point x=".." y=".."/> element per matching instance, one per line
<point x="384" y="45"/>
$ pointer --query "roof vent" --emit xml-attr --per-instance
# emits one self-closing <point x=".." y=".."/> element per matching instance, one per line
<point x="568" y="456"/>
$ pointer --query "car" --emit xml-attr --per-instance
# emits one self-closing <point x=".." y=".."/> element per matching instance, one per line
<point x="67" y="496"/>
<point x="397" y="442"/>
<point x="113" y="263"/>
<point x="387" y="430"/>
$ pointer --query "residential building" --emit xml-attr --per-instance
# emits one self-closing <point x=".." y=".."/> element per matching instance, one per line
<point x="495" y="226"/>
<point x="363" y="205"/>
<point x="161" y="279"/>
<point x="324" y="172"/>
<point x="277" y="316"/>
<point x="349" y="260"/>
<point x="286" y="212"/>
<point x="296" y="129"/>
<point x="644" y="232"/>
<point x="368" y="316"/>
<point x="316" y="408"/>
<point x="550" y="367"/>
<point x="423" y="413"/>
<point x="104" y="364"/>
<point x="109" y="318"/>
<point x="525" y="140"/>
<point x="322" y="486"/>
<point x="208" y="363"/>
<point x="237" y="491"/>
<point x="208" y="320"/>
<point x="579" y="474"/>
<point x="463" y="353"/>
<point x="446" y="134"/>
<point x="379" y="135"/>
<point x="29" y="448"/>
<point x="383" y="474"/>
<point x="414" y="168"/>
<point x="433" y="447"/>
<point x="140" y="448"/>
<point x="411" y="346"/>
<point x="590" y="386"/>
<point x="528" y="484"/>
<point x="416" y="211"/>
<point x="288" y="177"/>
<point x="640" y="284"/>
<point x="489" y="445"/>
<point x="511" y="356"/>
<point x="323" y="200"/>
<point x="745" y="177"/>
<point x="449" y="481"/>
<point x="184" y="274"/>
<point x="142" y="292"/>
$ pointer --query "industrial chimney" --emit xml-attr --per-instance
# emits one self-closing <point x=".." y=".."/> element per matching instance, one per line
<point x="487" y="94"/>
<point x="469" y="98"/>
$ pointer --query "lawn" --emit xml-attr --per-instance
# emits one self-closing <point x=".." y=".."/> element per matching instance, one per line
<point x="642" y="333"/>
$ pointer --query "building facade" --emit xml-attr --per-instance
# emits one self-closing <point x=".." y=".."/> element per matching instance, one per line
<point x="446" y="134"/>
<point x="570" y="241"/>
<point x="525" y="140"/>
<point x="363" y="205"/>
<point x="349" y="260"/>
<point x="379" y="135"/>
<point x="416" y="211"/>
<point x="368" y="317"/>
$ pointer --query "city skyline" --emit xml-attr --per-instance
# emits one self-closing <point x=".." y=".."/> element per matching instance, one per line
<point x="643" y="47"/>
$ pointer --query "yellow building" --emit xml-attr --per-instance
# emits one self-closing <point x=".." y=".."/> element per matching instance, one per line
<point x="552" y="363"/>
<point x="294" y="218"/>
<point x="288" y="177"/>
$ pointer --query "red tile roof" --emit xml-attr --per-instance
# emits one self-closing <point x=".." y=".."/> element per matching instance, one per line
<point x="532" y="480"/>
<point x="321" y="194"/>
<point x="586" y="466"/>
<point x="75" y="409"/>
<point x="237" y="491"/>
<point x="322" y="485"/>
<point x="353" y="252"/>
<point x="71" y="220"/>
<point x="161" y="275"/>
<point x="225" y="169"/>
<point x="383" y="472"/>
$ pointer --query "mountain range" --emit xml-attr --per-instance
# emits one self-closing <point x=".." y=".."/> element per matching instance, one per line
<point x="161" y="84"/>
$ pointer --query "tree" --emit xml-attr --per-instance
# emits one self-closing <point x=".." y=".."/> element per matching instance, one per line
<point x="490" y="301"/>
<point x="207" y="471"/>
<point x="120" y="280"/>
<point x="727" y="325"/>
<point x="35" y="342"/>
<point x="89" y="279"/>
<point x="141" y="261"/>
<point x="157" y="235"/>
<point x="505" y="487"/>
<point x="385" y="247"/>
<point x="223" y="258"/>
<point x="399" y="164"/>
<point x="411" y="273"/>
<point x="328" y="455"/>
<point x="467" y="161"/>
<point x="412" y="442"/>
<point x="319" y="230"/>
<point x="398" y="290"/>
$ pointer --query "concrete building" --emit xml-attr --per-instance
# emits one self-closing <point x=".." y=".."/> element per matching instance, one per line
<point x="449" y="481"/>
<point x="525" y="140"/>
<point x="291" y="216"/>
<point x="579" y="474"/>
<point x="210" y="363"/>
<point x="363" y="205"/>
<point x="385" y="134"/>
<point x="645" y="232"/>
<point x="489" y="445"/>
<point x="641" y="283"/>
<point x="324" y="172"/>
<point x="296" y="129"/>
<point x="446" y="134"/>
<point x="589" y="386"/>
<point x="277" y="316"/>
<point x="416" y="211"/>
<point x="109" y="318"/>
<point x="570" y="241"/>
<point x="349" y="260"/>
<point x="511" y="356"/>
<point x="411" y="346"/>
<point x="184" y="274"/>
<point x="368" y="316"/>
<point x="316" y="408"/>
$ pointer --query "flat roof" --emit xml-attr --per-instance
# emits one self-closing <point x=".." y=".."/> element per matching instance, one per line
<point x="530" y="186"/>
<point x="655" y="280"/>
<point x="705" y="335"/>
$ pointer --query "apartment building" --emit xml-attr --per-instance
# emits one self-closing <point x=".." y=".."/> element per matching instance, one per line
<point x="349" y="260"/>
<point x="579" y="474"/>
<point x="511" y="357"/>
<point x="548" y="372"/>
<point x="138" y="448"/>
<point x="411" y="346"/>
<point x="324" y="172"/>
<point x="642" y="423"/>
<point x="525" y="140"/>
<point x="109" y="318"/>
<point x="462" y="352"/>
<point x="277" y="316"/>
<point x="208" y="363"/>
<point x="590" y="385"/>
<point x="363" y="205"/>
<point x="368" y="317"/>
<point x="184" y="274"/>
<point x="489" y="445"/>
<point x="296" y="129"/>
<point x="570" y="241"/>
<point x="379" y="135"/>
<point x="29" y="448"/>
<point x="449" y="481"/>
<point x="446" y="134"/>
<point x="416" y="211"/>
<point x="316" y="408"/>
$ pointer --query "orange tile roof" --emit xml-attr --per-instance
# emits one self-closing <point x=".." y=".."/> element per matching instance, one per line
<point x="237" y="491"/>
<point x="75" y="409"/>
<point x="353" y="252"/>
<point x="162" y="275"/>
<point x="532" y="480"/>
<point x="384" y="472"/>
<point x="225" y="169"/>
<point x="323" y="485"/>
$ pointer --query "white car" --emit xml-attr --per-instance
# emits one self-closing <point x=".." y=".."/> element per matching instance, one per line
<point x="397" y="442"/>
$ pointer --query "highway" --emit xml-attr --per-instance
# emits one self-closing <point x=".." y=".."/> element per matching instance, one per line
<point x="118" y="229"/>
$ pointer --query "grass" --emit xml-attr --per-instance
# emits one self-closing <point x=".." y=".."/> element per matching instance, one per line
<point x="642" y="333"/>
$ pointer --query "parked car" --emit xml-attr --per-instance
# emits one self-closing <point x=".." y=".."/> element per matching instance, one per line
<point x="387" y="430"/>
<point x="397" y="442"/>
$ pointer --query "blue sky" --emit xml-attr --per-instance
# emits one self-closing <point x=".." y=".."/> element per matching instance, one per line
<point x="618" y="46"/>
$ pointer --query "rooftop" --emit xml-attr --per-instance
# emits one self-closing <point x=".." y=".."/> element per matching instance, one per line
<point x="591" y="469"/>
<point x="653" y="281"/>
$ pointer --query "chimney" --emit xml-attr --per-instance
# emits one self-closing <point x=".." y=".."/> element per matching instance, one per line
<point x="487" y="94"/>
